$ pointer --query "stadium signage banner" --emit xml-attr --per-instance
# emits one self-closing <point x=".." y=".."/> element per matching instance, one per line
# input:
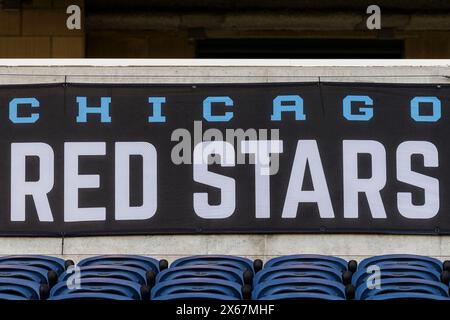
<point x="79" y="159"/>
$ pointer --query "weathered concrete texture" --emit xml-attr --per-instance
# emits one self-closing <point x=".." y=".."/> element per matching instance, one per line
<point x="30" y="79"/>
<point x="147" y="245"/>
<point x="264" y="247"/>
<point x="215" y="72"/>
<point x="30" y="245"/>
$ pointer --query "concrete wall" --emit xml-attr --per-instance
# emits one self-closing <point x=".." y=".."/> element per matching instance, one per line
<point x="197" y="71"/>
<point x="39" y="31"/>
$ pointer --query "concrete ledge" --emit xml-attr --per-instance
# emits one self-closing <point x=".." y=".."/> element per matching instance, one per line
<point x="381" y="79"/>
<point x="30" y="79"/>
<point x="28" y="245"/>
<point x="260" y="246"/>
<point x="145" y="245"/>
<point x="415" y="73"/>
<point x="264" y="247"/>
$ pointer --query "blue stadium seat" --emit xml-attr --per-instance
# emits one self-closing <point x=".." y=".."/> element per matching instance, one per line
<point x="197" y="285"/>
<point x="223" y="260"/>
<point x="396" y="271"/>
<point x="297" y="271"/>
<point x="302" y="285"/>
<point x="25" y="272"/>
<point x="407" y="295"/>
<point x="28" y="290"/>
<point x="89" y="296"/>
<point x="309" y="259"/>
<point x="201" y="271"/>
<point x="133" y="274"/>
<point x="301" y="296"/>
<point x="403" y="259"/>
<point x="145" y="263"/>
<point x="402" y="285"/>
<point x="5" y="296"/>
<point x="45" y="262"/>
<point x="195" y="296"/>
<point x="222" y="277"/>
<point x="100" y="285"/>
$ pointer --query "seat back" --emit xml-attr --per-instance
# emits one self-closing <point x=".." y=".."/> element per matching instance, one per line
<point x="145" y="263"/>
<point x="223" y="260"/>
<point x="402" y="259"/>
<point x="194" y="296"/>
<point x="44" y="262"/>
<point x="89" y="296"/>
<point x="396" y="271"/>
<point x="302" y="285"/>
<point x="201" y="271"/>
<point x="408" y="296"/>
<point x="403" y="285"/>
<point x="99" y="285"/>
<point x="301" y="296"/>
<point x="12" y="296"/>
<point x="310" y="259"/>
<point x="26" y="272"/>
<point x="197" y="285"/>
<point x="297" y="271"/>
<point x="26" y="289"/>
<point x="109" y="271"/>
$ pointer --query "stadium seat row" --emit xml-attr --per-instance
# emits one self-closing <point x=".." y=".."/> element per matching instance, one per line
<point x="221" y="277"/>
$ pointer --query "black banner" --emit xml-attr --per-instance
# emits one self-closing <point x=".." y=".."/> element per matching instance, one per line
<point x="78" y="159"/>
